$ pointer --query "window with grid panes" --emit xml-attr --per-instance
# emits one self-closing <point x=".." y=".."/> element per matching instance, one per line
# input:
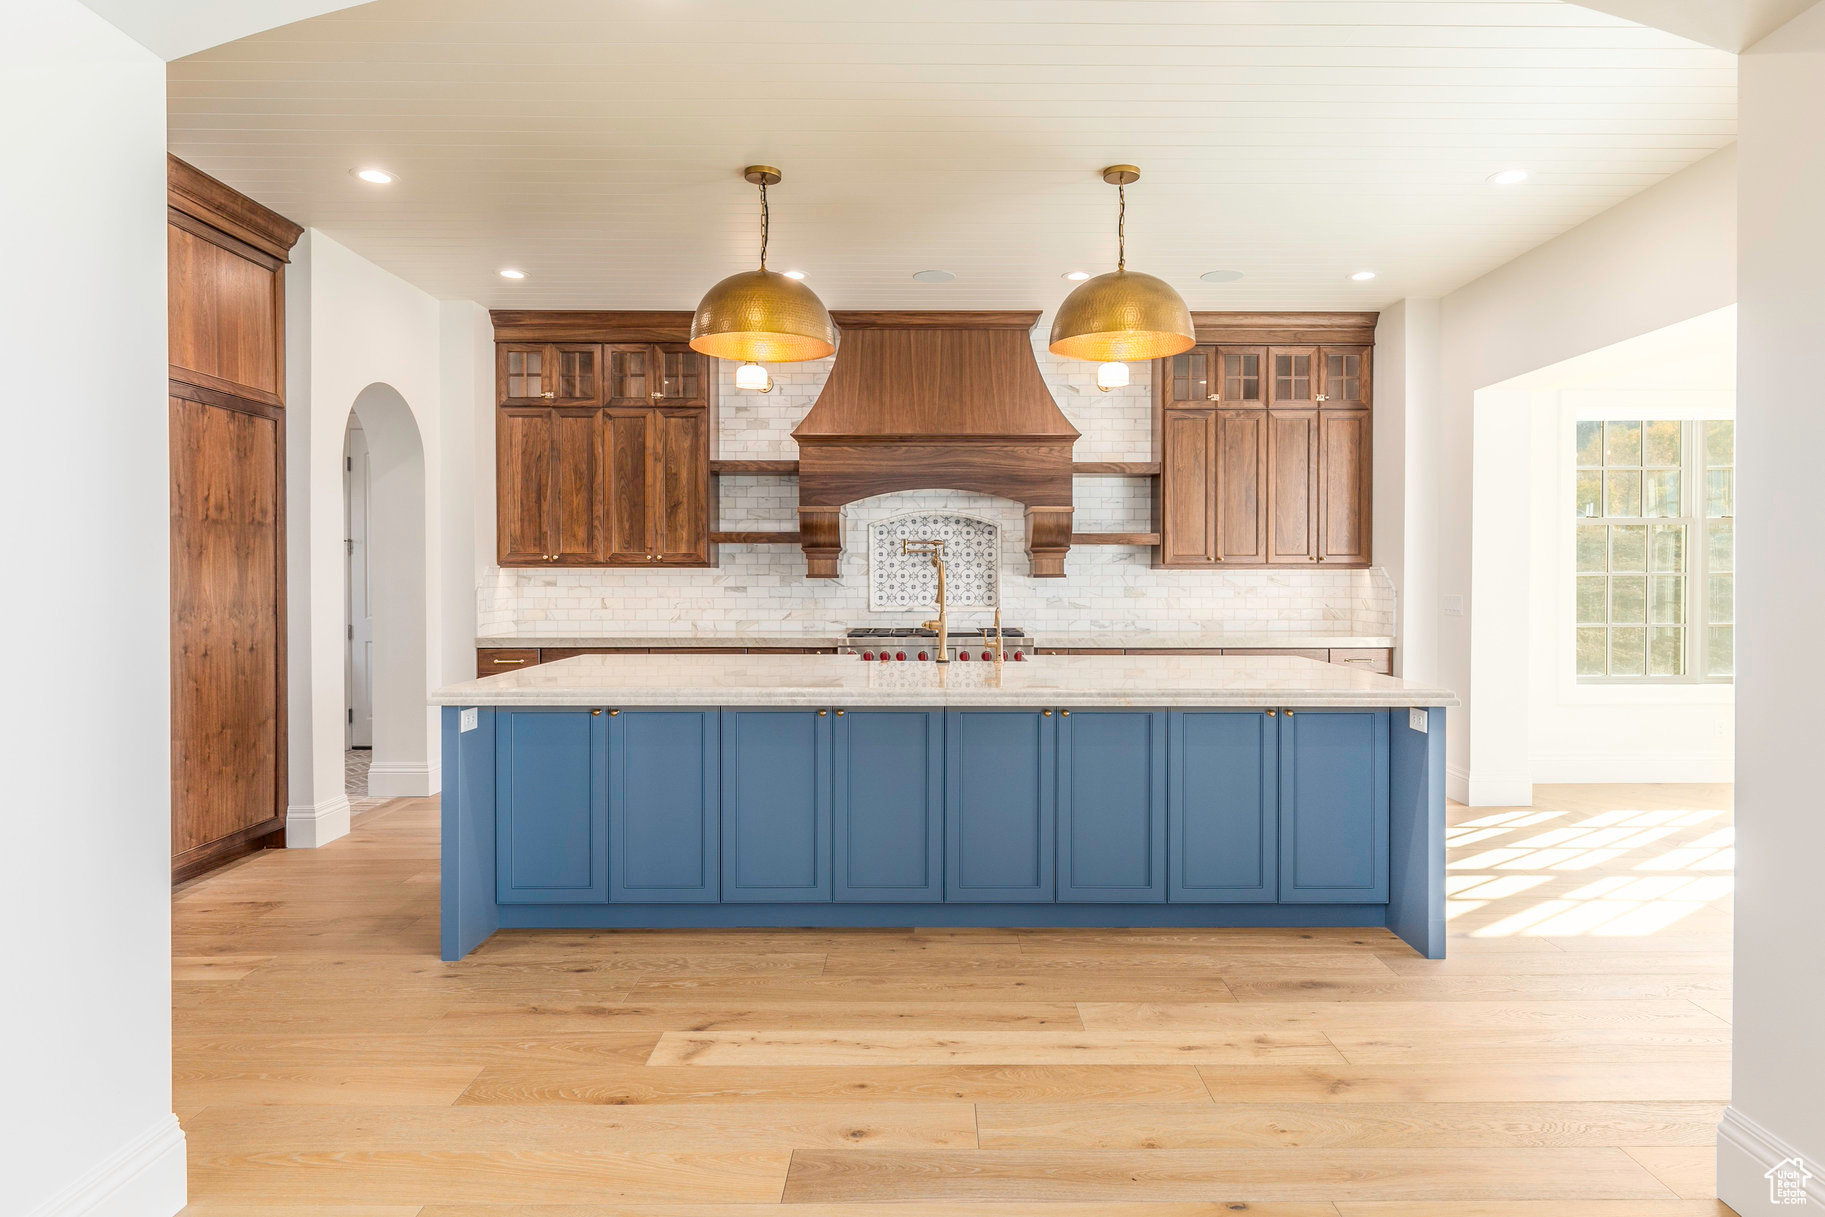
<point x="1655" y="506"/>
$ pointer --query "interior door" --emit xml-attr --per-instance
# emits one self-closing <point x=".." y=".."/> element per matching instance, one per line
<point x="359" y="672"/>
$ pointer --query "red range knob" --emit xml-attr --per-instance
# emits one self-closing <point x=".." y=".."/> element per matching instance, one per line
<point x="900" y="655"/>
<point x="988" y="654"/>
<point x="1019" y="655"/>
<point x="867" y="654"/>
<point x="884" y="657"/>
<point x="923" y="655"/>
<point x="963" y="654"/>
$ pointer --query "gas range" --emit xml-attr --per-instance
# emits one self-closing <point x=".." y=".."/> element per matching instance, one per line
<point x="909" y="644"/>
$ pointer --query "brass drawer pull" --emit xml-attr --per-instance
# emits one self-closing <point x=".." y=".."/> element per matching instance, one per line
<point x="506" y="661"/>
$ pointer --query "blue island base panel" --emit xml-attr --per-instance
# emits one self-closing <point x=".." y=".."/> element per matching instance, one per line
<point x="909" y="916"/>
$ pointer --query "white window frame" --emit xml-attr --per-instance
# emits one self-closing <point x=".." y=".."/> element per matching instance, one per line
<point x="1696" y="622"/>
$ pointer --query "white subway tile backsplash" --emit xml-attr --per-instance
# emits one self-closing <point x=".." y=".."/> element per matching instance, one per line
<point x="762" y="587"/>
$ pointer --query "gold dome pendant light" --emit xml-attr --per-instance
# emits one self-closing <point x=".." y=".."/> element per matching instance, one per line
<point x="761" y="315"/>
<point x="1124" y="314"/>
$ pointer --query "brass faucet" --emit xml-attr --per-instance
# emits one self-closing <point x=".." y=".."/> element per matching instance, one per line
<point x="935" y="551"/>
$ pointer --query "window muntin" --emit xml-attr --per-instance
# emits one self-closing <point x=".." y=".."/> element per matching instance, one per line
<point x="1654" y="550"/>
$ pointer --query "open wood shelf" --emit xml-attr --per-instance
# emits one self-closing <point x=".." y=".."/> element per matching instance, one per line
<point x="1137" y="469"/>
<point x="1115" y="538"/>
<point x="784" y="468"/>
<point x="754" y="538"/>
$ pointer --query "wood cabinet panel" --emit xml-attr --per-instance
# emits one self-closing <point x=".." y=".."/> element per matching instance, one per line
<point x="227" y="623"/>
<point x="1188" y="497"/>
<point x="1242" y="377"/>
<point x="1344" y="377"/>
<point x="1189" y="378"/>
<point x="1344" y="470"/>
<point x="684" y="376"/>
<point x="576" y="510"/>
<point x="629" y="375"/>
<point x="548" y="374"/>
<point x="680" y="500"/>
<point x="1292" y="486"/>
<point x="226" y="312"/>
<point x="628" y="463"/>
<point x="577" y="370"/>
<point x="1241" y="489"/>
<point x="523" y="486"/>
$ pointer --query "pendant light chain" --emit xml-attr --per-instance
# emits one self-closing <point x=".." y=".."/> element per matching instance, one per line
<point x="763" y="225"/>
<point x="1121" y="228"/>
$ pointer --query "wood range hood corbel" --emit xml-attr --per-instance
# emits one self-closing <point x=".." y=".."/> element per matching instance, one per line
<point x="935" y="401"/>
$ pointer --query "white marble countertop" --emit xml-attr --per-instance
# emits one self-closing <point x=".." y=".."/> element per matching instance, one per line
<point x="834" y="638"/>
<point x="843" y="680"/>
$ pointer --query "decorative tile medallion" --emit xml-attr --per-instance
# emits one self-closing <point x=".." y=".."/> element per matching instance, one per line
<point x="972" y="560"/>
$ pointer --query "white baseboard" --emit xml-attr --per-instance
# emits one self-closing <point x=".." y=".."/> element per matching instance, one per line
<point x="1746" y="1151"/>
<point x="144" y="1178"/>
<point x="1457" y="784"/>
<point x="1570" y="768"/>
<point x="308" y="827"/>
<point x="404" y="779"/>
<point x="1507" y="790"/>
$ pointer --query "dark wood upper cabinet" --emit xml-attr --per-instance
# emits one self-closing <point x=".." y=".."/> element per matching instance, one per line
<point x="622" y="485"/>
<point x="1343" y="382"/>
<point x="1292" y="377"/>
<point x="681" y="499"/>
<point x="548" y="374"/>
<point x="1188" y="465"/>
<point x="1242" y="376"/>
<point x="1264" y="450"/>
<point x="1190" y="378"/>
<point x="628" y="467"/>
<point x="1343" y="490"/>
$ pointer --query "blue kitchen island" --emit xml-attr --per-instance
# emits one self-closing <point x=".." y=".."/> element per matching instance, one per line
<point x="690" y="791"/>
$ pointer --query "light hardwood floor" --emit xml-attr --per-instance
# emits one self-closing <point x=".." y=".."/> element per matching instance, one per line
<point x="1568" y="1060"/>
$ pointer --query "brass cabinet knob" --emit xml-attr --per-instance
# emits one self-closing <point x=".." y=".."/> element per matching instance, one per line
<point x="1273" y="713"/>
<point x="822" y="713"/>
<point x="612" y="713"/>
<point x="1047" y="713"/>
<point x="839" y="714"/>
<point x="1289" y="714"/>
<point x="595" y="714"/>
<point x="1065" y="713"/>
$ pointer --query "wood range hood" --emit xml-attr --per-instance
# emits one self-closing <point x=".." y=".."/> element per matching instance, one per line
<point x="935" y="401"/>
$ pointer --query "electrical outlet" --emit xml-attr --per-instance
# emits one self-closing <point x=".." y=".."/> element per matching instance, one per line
<point x="471" y="719"/>
<point x="1417" y="718"/>
<point x="1453" y="606"/>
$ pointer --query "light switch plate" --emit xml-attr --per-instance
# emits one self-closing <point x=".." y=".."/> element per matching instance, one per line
<point x="471" y="719"/>
<point x="1453" y="606"/>
<point x="1417" y="718"/>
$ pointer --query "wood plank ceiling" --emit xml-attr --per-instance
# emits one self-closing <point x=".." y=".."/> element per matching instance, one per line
<point x="596" y="143"/>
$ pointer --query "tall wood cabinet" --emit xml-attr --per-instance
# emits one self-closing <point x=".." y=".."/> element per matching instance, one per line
<point x="226" y="288"/>
<point x="603" y="447"/>
<point x="1264" y="444"/>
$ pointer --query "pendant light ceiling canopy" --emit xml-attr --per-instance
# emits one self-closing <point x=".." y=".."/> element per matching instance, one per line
<point x="1123" y="314"/>
<point x="762" y="315"/>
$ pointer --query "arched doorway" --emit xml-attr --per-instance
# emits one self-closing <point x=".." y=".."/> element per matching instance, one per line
<point x="386" y="631"/>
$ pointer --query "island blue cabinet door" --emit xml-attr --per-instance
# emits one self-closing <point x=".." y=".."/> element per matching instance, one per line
<point x="1221" y="801"/>
<point x="775" y="805"/>
<point x="1000" y="806"/>
<point x="1112" y="806"/>
<point x="662" y="806"/>
<point x="1334" y="806"/>
<point x="551" y="807"/>
<point x="889" y="793"/>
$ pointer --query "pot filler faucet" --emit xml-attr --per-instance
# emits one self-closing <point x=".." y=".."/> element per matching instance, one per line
<point x="934" y="550"/>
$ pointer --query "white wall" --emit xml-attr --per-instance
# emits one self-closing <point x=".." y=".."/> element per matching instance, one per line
<point x="1406" y="507"/>
<point x="86" y="1118"/>
<point x="352" y="328"/>
<point x="1778" y="1100"/>
<point x="1666" y="255"/>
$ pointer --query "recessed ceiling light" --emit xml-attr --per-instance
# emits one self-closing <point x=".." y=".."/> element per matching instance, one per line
<point x="795" y="274"/>
<point x="379" y="177"/>
<point x="1363" y="276"/>
<point x="1508" y="177"/>
<point x="1220" y="276"/>
<point x="933" y="276"/>
<point x="510" y="273"/>
<point x="1076" y="276"/>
